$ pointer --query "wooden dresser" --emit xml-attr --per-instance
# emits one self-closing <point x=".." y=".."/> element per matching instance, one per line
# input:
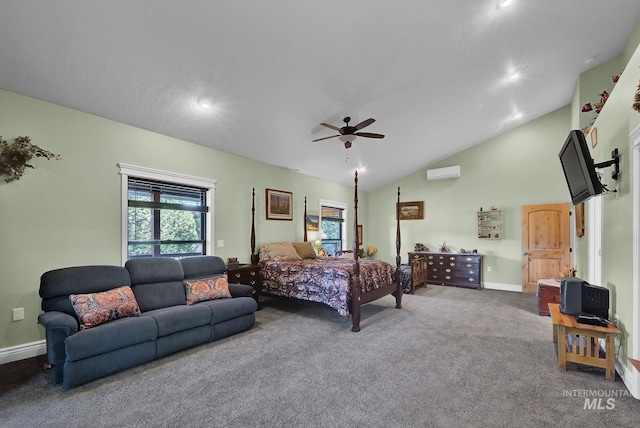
<point x="460" y="270"/>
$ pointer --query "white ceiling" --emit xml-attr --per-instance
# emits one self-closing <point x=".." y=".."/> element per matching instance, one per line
<point x="432" y="73"/>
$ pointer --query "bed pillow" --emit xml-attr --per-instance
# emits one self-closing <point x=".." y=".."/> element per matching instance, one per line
<point x="279" y="251"/>
<point x="305" y="250"/>
<point x="98" y="308"/>
<point x="202" y="289"/>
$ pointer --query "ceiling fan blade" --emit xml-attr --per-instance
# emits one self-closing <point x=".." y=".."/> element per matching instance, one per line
<point x="369" y="135"/>
<point x="335" y="128"/>
<point x="364" y="123"/>
<point x="324" y="138"/>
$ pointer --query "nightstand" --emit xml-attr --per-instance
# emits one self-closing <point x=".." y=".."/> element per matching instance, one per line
<point x="248" y="275"/>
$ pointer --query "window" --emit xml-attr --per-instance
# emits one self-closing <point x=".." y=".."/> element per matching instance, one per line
<point x="332" y="226"/>
<point x="165" y="218"/>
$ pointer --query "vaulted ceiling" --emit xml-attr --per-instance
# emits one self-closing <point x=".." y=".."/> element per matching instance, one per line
<point x="434" y="75"/>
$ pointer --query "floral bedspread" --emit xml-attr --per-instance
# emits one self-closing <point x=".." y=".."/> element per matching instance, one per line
<point x="324" y="280"/>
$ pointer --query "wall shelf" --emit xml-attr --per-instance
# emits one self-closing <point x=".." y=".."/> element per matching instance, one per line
<point x="490" y="224"/>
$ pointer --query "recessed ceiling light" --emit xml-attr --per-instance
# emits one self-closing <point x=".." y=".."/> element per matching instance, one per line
<point x="504" y="3"/>
<point x="590" y="60"/>
<point x="513" y="75"/>
<point x="517" y="115"/>
<point x="205" y="102"/>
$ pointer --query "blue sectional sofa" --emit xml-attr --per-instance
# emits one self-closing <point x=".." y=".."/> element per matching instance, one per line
<point x="165" y="324"/>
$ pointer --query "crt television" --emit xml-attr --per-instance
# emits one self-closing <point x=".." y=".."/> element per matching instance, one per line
<point x="579" y="297"/>
<point x="579" y="169"/>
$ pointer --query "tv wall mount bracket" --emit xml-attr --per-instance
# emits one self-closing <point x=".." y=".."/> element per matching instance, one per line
<point x="614" y="162"/>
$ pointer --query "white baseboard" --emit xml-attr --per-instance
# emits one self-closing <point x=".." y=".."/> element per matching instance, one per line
<point x="502" y="287"/>
<point x="630" y="378"/>
<point x="22" y="352"/>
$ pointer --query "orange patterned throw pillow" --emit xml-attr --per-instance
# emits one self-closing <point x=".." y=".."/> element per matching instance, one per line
<point x="98" y="308"/>
<point x="201" y="289"/>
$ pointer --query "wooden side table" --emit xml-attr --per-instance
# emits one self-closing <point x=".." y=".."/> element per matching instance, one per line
<point x="248" y="275"/>
<point x="580" y="343"/>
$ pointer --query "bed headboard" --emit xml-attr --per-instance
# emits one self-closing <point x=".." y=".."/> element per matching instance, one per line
<point x="356" y="252"/>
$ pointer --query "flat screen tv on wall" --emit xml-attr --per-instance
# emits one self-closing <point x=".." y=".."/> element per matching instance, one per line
<point x="579" y="168"/>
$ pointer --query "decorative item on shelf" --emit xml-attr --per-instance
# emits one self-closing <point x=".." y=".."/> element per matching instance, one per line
<point x="232" y="261"/>
<point x="444" y="248"/>
<point x="318" y="246"/>
<point x="463" y="251"/>
<point x="597" y="106"/>
<point x="636" y="99"/>
<point x="420" y="247"/>
<point x="15" y="157"/>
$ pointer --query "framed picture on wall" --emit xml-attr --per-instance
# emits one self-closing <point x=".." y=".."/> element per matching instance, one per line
<point x="411" y="210"/>
<point x="312" y="223"/>
<point x="279" y="204"/>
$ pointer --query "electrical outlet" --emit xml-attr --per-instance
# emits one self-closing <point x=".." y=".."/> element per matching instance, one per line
<point x="18" y="314"/>
<point x="488" y="268"/>
<point x="220" y="243"/>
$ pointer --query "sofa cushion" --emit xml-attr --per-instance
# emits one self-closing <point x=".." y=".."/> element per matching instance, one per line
<point x="202" y="266"/>
<point x="56" y="285"/>
<point x="179" y="318"/>
<point x="202" y="289"/>
<point x="110" y="336"/>
<point x="156" y="282"/>
<point x="94" y="309"/>
<point x="226" y="309"/>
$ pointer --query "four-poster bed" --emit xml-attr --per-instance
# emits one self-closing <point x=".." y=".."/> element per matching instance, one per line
<point x="344" y="284"/>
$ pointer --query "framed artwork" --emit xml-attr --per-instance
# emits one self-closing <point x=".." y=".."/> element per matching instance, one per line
<point x="594" y="137"/>
<point x="279" y="204"/>
<point x="411" y="210"/>
<point x="360" y="239"/>
<point x="312" y="223"/>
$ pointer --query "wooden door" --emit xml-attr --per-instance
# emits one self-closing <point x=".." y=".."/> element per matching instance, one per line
<point x="545" y="243"/>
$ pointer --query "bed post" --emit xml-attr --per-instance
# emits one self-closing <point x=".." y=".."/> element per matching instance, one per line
<point x="398" y="292"/>
<point x="305" y="219"/>
<point x="355" y="287"/>
<point x="254" y="257"/>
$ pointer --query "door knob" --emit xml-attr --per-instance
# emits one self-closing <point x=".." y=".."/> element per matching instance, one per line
<point x="524" y="253"/>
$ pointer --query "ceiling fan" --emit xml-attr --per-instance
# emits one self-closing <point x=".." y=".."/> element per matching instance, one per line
<point x="349" y="133"/>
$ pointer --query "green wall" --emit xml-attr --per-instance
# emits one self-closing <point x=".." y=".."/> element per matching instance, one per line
<point x="519" y="167"/>
<point x="68" y="212"/>
<point x="614" y="124"/>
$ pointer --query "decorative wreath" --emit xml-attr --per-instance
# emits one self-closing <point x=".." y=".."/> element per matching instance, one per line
<point x="15" y="157"/>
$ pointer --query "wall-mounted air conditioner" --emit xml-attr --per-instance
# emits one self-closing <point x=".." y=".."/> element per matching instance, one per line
<point x="443" y="173"/>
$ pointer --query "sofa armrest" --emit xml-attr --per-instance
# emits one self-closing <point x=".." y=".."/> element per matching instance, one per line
<point x="58" y="326"/>
<point x="241" y="290"/>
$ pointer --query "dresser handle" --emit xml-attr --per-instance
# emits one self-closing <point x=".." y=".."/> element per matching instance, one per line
<point x="237" y="275"/>
<point x="448" y="277"/>
<point x="252" y="283"/>
<point x="252" y="273"/>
